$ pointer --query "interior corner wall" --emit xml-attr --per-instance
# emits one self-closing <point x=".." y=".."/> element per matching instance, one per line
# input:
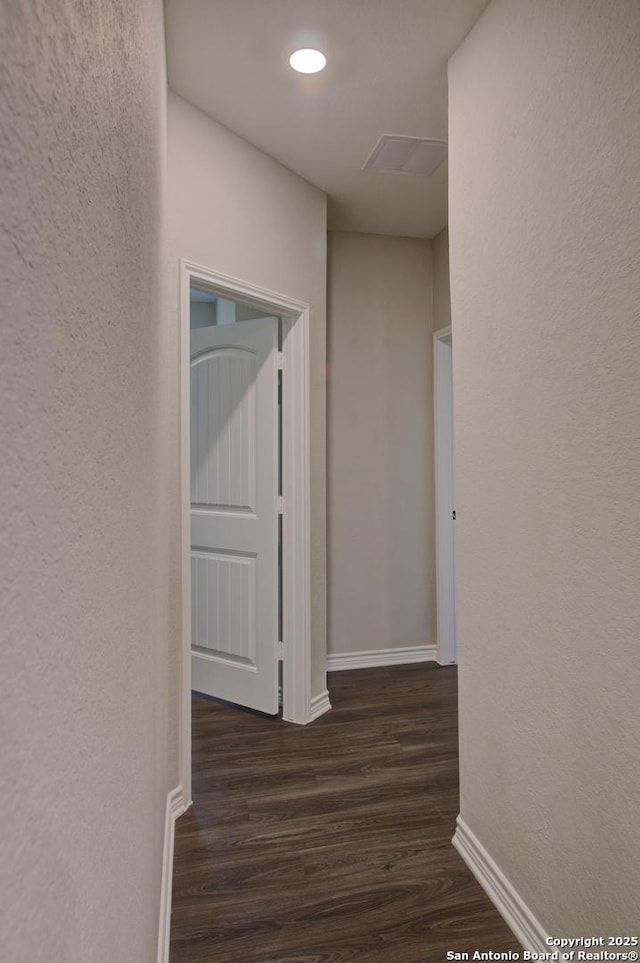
<point x="233" y="209"/>
<point x="380" y="444"/>
<point x="544" y="223"/>
<point x="441" y="285"/>
<point x="84" y="477"/>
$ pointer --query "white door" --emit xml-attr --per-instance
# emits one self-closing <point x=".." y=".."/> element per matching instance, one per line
<point x="445" y="495"/>
<point x="234" y="522"/>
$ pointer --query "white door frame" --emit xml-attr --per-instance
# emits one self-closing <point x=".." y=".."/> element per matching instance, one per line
<point x="444" y="465"/>
<point x="296" y="662"/>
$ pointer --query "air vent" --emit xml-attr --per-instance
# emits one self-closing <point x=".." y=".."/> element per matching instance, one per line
<point x="395" y="154"/>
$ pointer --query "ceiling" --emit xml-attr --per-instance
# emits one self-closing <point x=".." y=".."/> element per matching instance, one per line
<point x="386" y="73"/>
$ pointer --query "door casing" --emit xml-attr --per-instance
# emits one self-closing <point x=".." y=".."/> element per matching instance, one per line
<point x="296" y="649"/>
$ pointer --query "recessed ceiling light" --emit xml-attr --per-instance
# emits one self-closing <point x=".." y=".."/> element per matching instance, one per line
<point x="308" y="61"/>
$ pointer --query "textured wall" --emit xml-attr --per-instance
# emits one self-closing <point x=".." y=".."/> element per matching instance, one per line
<point x="235" y="210"/>
<point x="545" y="266"/>
<point x="441" y="286"/>
<point x="83" y="474"/>
<point x="380" y="443"/>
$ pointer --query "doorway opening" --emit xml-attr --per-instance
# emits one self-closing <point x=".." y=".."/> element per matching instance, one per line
<point x="445" y="496"/>
<point x="245" y="497"/>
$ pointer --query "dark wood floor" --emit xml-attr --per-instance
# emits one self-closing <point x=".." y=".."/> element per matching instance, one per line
<point x="330" y="842"/>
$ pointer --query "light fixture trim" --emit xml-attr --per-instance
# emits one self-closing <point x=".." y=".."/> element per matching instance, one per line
<point x="308" y="60"/>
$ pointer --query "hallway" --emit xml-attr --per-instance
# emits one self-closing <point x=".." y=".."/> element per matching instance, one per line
<point x="332" y="842"/>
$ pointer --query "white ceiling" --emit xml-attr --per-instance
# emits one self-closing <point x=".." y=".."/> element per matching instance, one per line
<point x="386" y="74"/>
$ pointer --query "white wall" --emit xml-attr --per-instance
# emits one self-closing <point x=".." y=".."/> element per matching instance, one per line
<point x="235" y="210"/>
<point x="544" y="163"/>
<point x="380" y="443"/>
<point x="84" y="480"/>
<point x="202" y="313"/>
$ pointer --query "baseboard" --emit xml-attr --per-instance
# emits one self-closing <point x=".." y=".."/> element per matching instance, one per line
<point x="375" y="657"/>
<point x="319" y="705"/>
<point x="515" y="912"/>
<point x="176" y="805"/>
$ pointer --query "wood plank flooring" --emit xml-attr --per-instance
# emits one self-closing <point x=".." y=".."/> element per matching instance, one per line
<point x="330" y="842"/>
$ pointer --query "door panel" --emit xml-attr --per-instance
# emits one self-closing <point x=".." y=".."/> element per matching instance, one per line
<point x="223" y="605"/>
<point x="234" y="574"/>
<point x="223" y="402"/>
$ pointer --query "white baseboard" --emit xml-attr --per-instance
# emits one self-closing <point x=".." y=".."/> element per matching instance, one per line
<point x="376" y="657"/>
<point x="175" y="807"/>
<point x="319" y="705"/>
<point x="515" y="912"/>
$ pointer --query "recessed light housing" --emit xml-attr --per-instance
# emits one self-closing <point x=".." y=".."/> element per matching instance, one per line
<point x="308" y="61"/>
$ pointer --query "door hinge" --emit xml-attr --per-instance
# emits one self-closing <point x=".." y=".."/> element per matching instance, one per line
<point x="280" y="361"/>
<point x="278" y="648"/>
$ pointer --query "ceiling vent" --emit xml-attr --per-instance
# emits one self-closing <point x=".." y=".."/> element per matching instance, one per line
<point x="395" y="154"/>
